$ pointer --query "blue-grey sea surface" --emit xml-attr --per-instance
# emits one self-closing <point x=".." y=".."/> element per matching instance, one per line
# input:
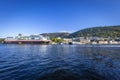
<point x="59" y="62"/>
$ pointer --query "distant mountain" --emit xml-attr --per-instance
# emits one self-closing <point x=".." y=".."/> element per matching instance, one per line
<point x="57" y="34"/>
<point x="107" y="31"/>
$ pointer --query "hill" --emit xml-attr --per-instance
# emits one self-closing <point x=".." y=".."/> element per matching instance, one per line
<point x="107" y="31"/>
<point x="55" y="35"/>
<point x="103" y="31"/>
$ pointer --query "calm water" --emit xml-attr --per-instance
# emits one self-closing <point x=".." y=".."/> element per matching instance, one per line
<point x="59" y="62"/>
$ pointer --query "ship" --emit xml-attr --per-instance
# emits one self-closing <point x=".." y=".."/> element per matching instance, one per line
<point x="32" y="39"/>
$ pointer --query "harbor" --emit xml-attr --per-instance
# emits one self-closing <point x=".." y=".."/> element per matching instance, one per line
<point x="40" y="39"/>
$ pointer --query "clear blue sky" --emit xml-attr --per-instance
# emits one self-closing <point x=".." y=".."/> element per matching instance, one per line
<point x="41" y="16"/>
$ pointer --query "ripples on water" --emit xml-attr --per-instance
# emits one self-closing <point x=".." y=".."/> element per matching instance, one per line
<point x="59" y="62"/>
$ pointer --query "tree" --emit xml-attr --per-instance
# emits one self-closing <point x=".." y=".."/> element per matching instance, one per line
<point x="56" y="40"/>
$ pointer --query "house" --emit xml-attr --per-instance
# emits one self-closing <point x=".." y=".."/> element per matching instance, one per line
<point x="103" y="42"/>
<point x="67" y="39"/>
<point x="82" y="40"/>
<point x="77" y="39"/>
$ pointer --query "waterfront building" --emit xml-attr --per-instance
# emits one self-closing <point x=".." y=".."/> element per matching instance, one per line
<point x="84" y="41"/>
<point x="67" y="39"/>
<point x="81" y="40"/>
<point x="103" y="42"/>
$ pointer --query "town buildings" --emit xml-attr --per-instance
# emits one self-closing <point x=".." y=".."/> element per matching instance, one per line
<point x="39" y="39"/>
<point x="94" y="40"/>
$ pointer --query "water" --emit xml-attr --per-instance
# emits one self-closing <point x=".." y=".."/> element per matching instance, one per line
<point x="59" y="62"/>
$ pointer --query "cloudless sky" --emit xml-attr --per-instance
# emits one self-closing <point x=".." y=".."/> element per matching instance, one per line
<point x="44" y="16"/>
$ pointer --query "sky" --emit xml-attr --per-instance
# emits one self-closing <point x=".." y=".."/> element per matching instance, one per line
<point x="46" y="16"/>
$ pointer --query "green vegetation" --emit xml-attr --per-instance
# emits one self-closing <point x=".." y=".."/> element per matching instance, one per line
<point x="55" y="35"/>
<point x="56" y="40"/>
<point x="1" y="40"/>
<point x="102" y="31"/>
<point x="107" y="31"/>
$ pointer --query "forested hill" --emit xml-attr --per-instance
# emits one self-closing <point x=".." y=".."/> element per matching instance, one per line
<point x="107" y="31"/>
<point x="57" y="34"/>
